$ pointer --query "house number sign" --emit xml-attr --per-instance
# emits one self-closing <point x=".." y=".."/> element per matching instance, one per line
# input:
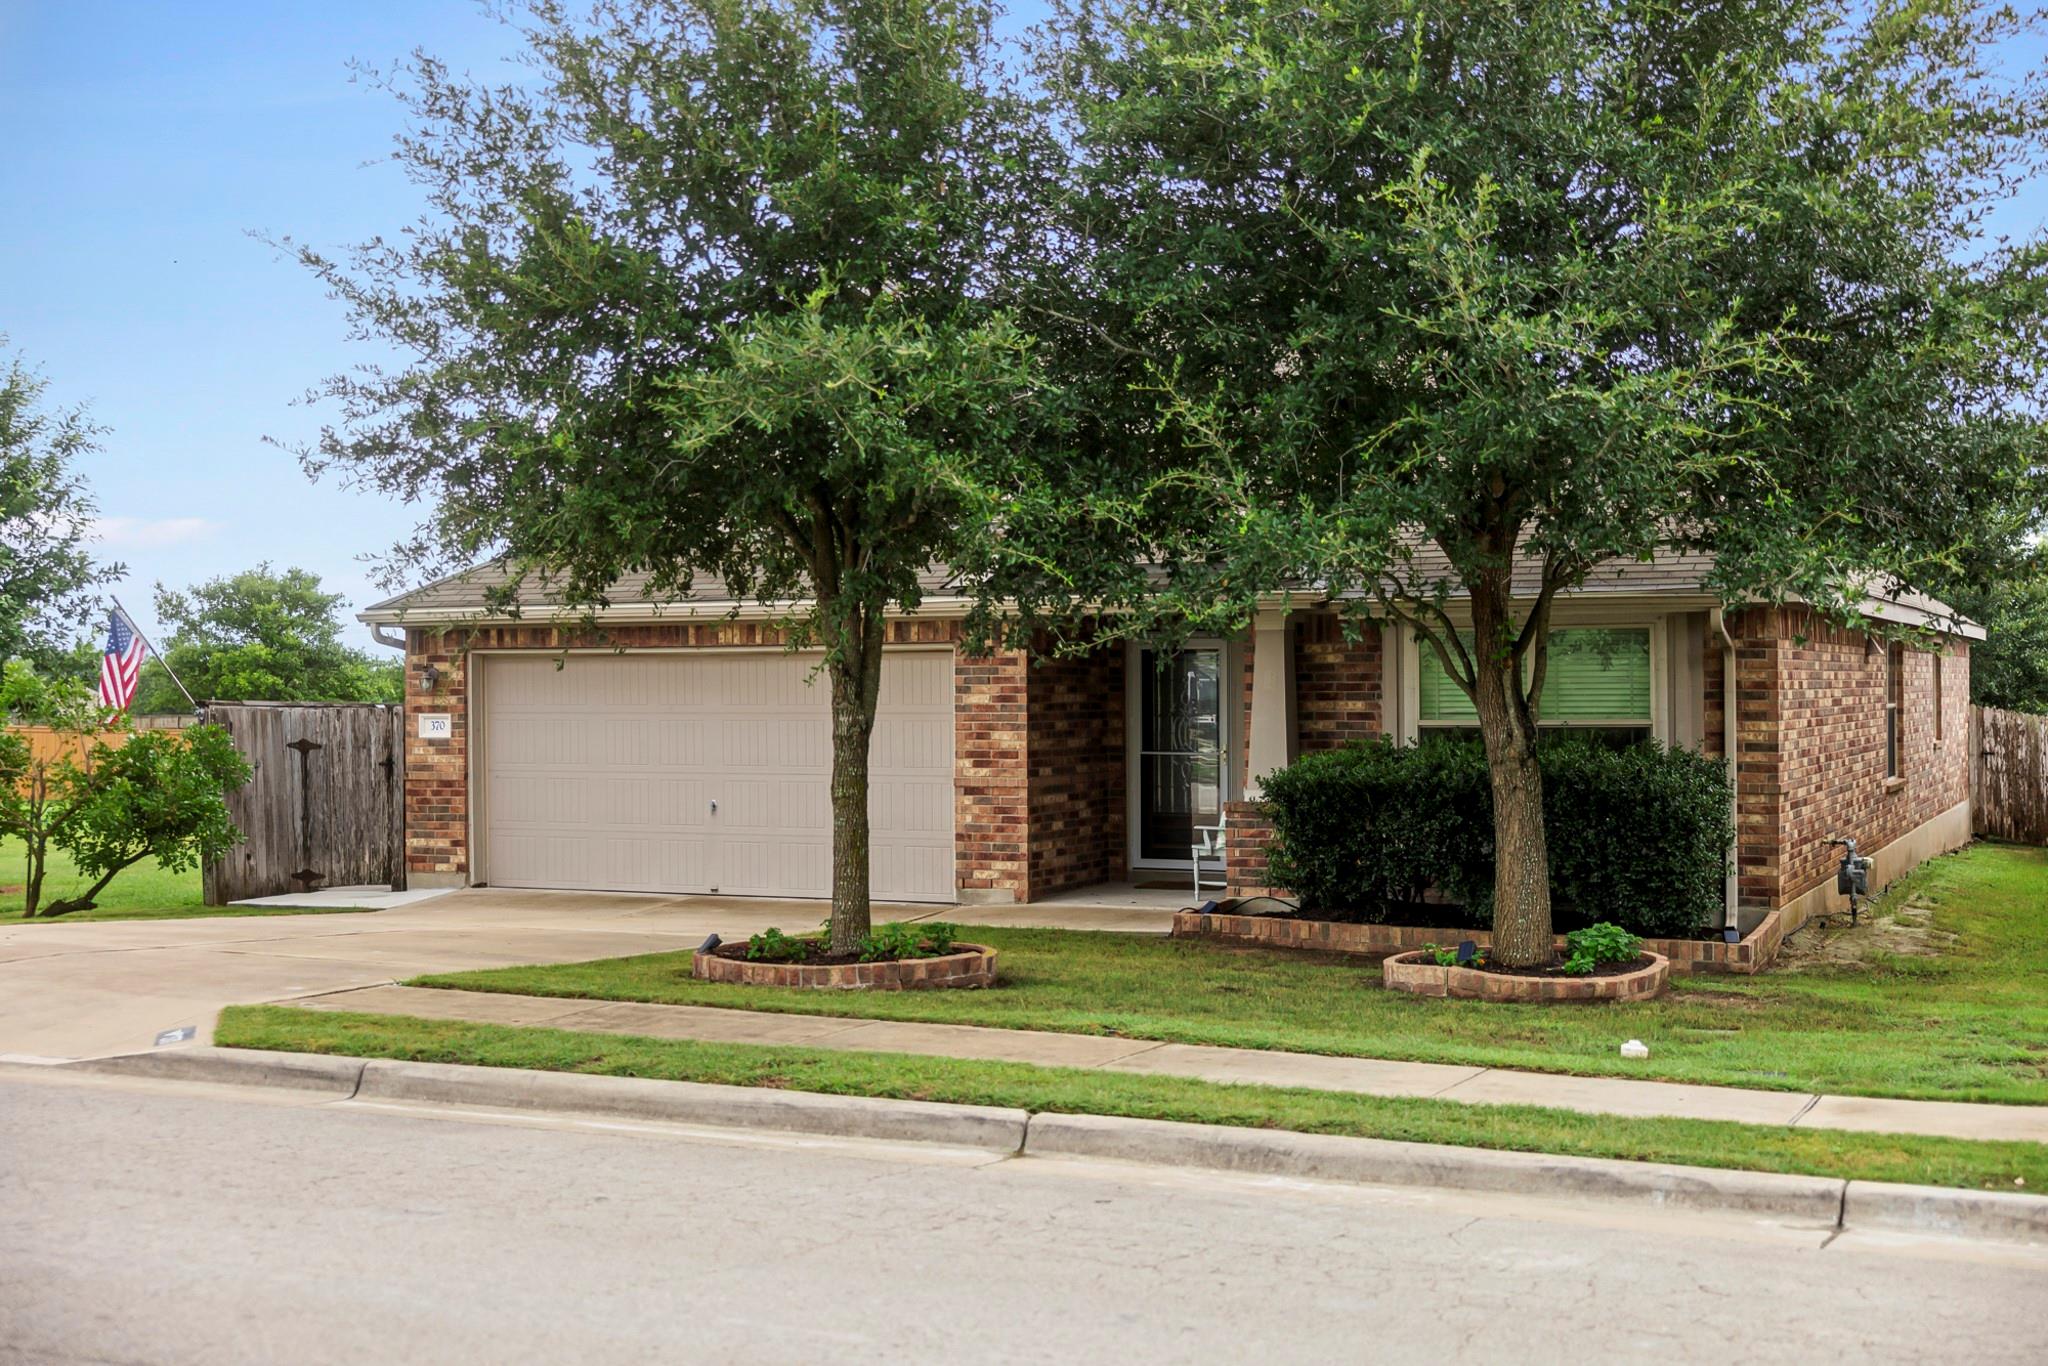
<point x="436" y="725"/>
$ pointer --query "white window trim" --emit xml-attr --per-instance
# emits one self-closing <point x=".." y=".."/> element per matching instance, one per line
<point x="1409" y="656"/>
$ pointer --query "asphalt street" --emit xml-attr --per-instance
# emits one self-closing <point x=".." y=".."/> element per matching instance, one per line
<point x="150" y="1222"/>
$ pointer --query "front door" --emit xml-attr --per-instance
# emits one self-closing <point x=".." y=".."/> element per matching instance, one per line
<point x="1181" y="748"/>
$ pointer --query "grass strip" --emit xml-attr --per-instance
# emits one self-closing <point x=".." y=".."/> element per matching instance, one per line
<point x="1705" y="1143"/>
<point x="1968" y="1024"/>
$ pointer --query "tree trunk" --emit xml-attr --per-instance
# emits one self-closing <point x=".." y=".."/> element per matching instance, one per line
<point x="32" y="893"/>
<point x="856" y="687"/>
<point x="92" y="893"/>
<point x="1521" y="862"/>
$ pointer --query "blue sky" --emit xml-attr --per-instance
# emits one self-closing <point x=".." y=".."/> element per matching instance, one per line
<point x="146" y="141"/>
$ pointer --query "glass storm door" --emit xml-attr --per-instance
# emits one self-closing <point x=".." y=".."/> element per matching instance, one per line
<point x="1180" y="749"/>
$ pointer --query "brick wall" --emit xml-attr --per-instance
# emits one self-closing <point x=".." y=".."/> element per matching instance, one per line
<point x="1811" y="747"/>
<point x="1337" y="696"/>
<point x="1077" y="810"/>
<point x="991" y="779"/>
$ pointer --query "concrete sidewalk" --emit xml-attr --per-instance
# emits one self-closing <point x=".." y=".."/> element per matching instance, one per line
<point x="1366" y="1076"/>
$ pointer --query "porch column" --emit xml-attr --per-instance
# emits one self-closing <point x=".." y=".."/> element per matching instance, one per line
<point x="1271" y="742"/>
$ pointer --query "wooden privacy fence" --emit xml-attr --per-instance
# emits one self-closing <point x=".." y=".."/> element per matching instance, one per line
<point x="2009" y="775"/>
<point x="324" y="805"/>
<point x="47" y="743"/>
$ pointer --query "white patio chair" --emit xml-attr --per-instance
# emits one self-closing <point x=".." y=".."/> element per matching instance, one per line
<point x="1209" y="845"/>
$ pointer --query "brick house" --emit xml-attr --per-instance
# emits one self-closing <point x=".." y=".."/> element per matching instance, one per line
<point x="680" y="748"/>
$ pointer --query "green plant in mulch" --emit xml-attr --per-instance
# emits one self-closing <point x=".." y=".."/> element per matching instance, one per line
<point x="1598" y="945"/>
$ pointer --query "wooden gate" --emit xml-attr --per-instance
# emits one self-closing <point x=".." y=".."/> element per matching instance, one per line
<point x="2009" y="775"/>
<point x="325" y="804"/>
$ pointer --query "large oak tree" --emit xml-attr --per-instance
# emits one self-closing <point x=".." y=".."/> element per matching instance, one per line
<point x="1447" y="305"/>
<point x="714" y="290"/>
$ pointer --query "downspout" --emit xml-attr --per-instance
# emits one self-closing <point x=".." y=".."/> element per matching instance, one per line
<point x="1730" y="892"/>
<point x="395" y="641"/>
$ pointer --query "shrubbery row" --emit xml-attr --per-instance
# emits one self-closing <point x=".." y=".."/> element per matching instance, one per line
<point x="1638" y="835"/>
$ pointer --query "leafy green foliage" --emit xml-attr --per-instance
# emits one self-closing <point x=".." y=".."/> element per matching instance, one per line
<point x="720" y="290"/>
<point x="1453" y="306"/>
<point x="1448" y="957"/>
<point x="107" y="796"/>
<point x="1640" y="834"/>
<point x="895" y="940"/>
<point x="157" y="795"/>
<point x="773" y="946"/>
<point x="43" y="794"/>
<point x="1599" y="944"/>
<point x="261" y="636"/>
<point x="2009" y="668"/>
<point x="47" y="573"/>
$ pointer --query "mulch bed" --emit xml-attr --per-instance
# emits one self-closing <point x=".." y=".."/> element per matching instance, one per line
<point x="1640" y="961"/>
<point x="816" y="955"/>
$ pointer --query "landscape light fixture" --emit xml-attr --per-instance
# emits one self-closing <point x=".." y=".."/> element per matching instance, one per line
<point x="1467" y="951"/>
<point x="711" y="941"/>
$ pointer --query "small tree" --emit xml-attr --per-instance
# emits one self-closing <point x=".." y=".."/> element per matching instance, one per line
<point x="157" y="795"/>
<point x="42" y="794"/>
<point x="46" y="514"/>
<point x="715" y="293"/>
<point x="108" y="803"/>
<point x="1446" y="306"/>
<point x="261" y="636"/>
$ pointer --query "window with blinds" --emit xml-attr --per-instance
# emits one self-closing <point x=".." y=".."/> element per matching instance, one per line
<point x="1597" y="676"/>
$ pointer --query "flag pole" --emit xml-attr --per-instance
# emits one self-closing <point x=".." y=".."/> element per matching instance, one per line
<point x="153" y="650"/>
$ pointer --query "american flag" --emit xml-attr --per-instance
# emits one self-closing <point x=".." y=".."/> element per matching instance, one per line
<point x="122" y="663"/>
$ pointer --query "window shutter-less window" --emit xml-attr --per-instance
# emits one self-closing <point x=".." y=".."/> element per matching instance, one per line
<point x="1440" y="699"/>
<point x="1598" y="675"/>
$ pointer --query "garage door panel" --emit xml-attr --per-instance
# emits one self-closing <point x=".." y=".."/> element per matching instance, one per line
<point x="601" y="774"/>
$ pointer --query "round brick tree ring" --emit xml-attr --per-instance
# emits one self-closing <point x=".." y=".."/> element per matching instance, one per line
<point x="969" y="965"/>
<point x="1419" y="974"/>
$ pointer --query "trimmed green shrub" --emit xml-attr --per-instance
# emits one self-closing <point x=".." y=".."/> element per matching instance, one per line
<point x="1637" y="836"/>
<point x="1373" y="825"/>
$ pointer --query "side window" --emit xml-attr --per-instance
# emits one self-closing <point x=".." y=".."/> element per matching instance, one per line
<point x="1894" y="692"/>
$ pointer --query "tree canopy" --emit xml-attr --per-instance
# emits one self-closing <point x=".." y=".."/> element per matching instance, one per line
<point x="717" y="291"/>
<point x="261" y="636"/>
<point x="1445" y="306"/>
<point x="47" y="570"/>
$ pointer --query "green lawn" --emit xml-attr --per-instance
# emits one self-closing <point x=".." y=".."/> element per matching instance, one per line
<point x="1875" y="1157"/>
<point x="1969" y="1024"/>
<point x="144" y="892"/>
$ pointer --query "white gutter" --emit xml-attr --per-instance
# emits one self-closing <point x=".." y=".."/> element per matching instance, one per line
<point x="1730" y="890"/>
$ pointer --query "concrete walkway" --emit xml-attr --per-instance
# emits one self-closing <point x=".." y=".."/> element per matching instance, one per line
<point x="1367" y="1076"/>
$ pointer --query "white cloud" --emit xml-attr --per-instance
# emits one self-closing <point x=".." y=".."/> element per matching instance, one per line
<point x="151" y="533"/>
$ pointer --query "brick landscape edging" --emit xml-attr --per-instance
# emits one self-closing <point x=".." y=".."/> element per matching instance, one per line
<point x="1419" y="974"/>
<point x="1754" y="952"/>
<point x="972" y="966"/>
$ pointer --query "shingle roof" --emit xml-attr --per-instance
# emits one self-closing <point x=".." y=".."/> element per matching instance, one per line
<point x="464" y="594"/>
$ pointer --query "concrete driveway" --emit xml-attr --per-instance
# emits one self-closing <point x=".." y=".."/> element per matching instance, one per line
<point x="87" y="990"/>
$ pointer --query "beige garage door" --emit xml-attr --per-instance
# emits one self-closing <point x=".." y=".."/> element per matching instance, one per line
<point x="706" y="773"/>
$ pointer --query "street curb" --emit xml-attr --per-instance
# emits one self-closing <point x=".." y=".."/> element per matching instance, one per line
<point x="237" y="1067"/>
<point x="2005" y="1215"/>
<point x="1385" y="1162"/>
<point x="685" y="1102"/>
<point x="1822" y="1201"/>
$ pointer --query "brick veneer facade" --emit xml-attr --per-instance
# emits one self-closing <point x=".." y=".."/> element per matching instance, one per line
<point x="1810" y="736"/>
<point x="1079" y="816"/>
<point x="1040" y="798"/>
<point x="1037" y="751"/>
<point x="1337" y="692"/>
